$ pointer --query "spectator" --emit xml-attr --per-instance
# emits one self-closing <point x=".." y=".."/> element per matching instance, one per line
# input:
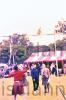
<point x="45" y="73"/>
<point x="35" y="78"/>
<point x="54" y="70"/>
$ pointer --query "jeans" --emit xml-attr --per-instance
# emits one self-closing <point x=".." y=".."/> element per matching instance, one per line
<point x="35" y="84"/>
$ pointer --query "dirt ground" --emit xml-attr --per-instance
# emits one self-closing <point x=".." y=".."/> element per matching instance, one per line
<point x="55" y="94"/>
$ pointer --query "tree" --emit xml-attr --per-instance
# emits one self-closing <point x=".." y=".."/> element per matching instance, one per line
<point x="5" y="55"/>
<point x="52" y="46"/>
<point x="60" y="27"/>
<point x="17" y="48"/>
<point x="4" y="51"/>
<point x="60" y="45"/>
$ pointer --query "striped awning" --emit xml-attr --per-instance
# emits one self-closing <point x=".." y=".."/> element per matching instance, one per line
<point x="46" y="56"/>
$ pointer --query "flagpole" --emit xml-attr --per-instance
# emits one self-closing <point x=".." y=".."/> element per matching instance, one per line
<point x="56" y="53"/>
<point x="10" y="50"/>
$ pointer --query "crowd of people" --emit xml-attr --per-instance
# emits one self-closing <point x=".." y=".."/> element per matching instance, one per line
<point x="21" y="83"/>
<point x="45" y="71"/>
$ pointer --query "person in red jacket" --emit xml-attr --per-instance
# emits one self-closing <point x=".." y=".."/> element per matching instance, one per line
<point x="18" y="87"/>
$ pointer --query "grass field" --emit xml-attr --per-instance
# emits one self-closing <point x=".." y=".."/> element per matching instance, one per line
<point x="55" y="94"/>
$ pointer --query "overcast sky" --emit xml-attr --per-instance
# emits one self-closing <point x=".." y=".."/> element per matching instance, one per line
<point x="24" y="16"/>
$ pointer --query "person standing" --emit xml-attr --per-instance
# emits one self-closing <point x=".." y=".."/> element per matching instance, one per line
<point x="18" y="87"/>
<point x="35" y="78"/>
<point x="53" y="69"/>
<point x="45" y="73"/>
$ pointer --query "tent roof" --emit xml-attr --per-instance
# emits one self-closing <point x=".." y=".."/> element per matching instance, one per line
<point x="46" y="56"/>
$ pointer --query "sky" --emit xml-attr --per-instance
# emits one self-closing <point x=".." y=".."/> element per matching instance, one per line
<point x="26" y="16"/>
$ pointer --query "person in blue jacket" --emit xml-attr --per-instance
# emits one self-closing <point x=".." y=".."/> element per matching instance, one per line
<point x="35" y="78"/>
